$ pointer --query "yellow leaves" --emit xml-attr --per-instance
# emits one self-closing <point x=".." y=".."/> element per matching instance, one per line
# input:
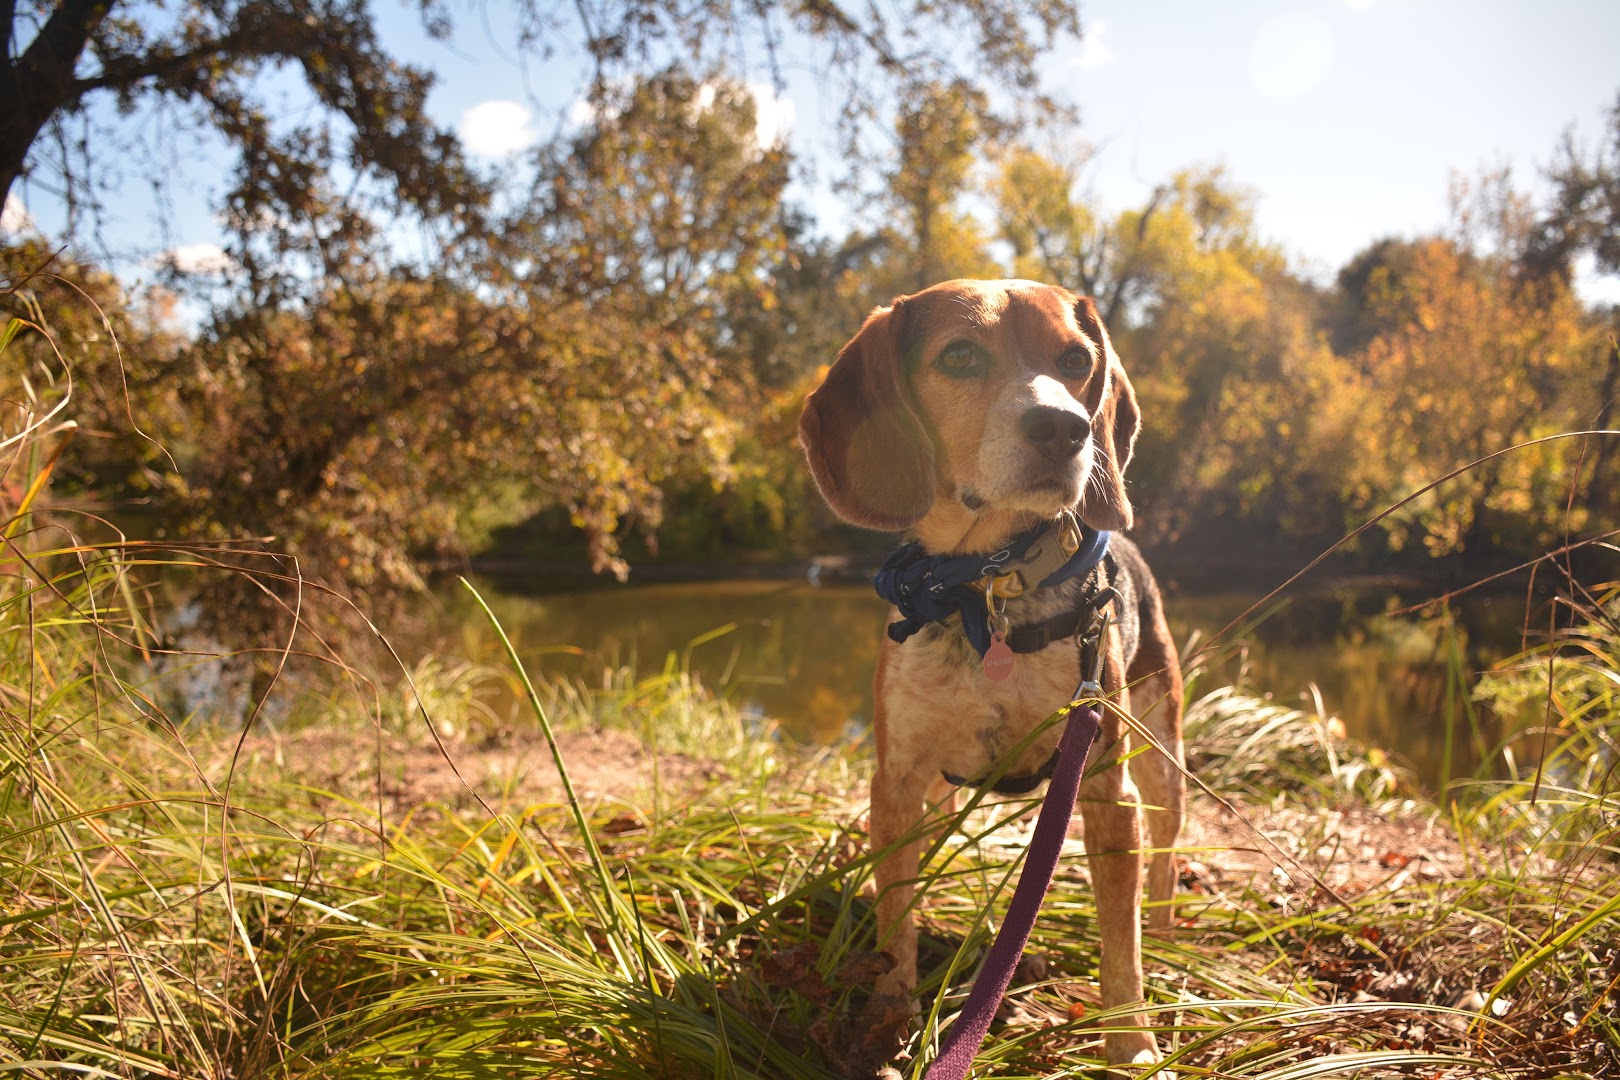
<point x="1467" y="359"/>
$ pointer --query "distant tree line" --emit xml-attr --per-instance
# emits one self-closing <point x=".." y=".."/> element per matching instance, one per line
<point x="618" y="351"/>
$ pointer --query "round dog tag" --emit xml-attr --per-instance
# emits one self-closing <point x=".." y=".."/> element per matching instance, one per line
<point x="998" y="658"/>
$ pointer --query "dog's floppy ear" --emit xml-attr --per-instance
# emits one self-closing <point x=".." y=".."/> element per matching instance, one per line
<point x="1115" y="421"/>
<point x="867" y="449"/>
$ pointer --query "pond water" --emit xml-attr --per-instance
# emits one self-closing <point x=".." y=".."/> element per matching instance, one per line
<point x="804" y="655"/>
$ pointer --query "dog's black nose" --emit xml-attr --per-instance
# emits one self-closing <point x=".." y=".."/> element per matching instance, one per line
<point x="1057" y="433"/>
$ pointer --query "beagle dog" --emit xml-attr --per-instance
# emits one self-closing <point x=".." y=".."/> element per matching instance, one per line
<point x="966" y="415"/>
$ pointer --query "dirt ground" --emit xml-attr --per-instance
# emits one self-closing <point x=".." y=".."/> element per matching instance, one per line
<point x="1288" y="856"/>
<point x="1288" y="850"/>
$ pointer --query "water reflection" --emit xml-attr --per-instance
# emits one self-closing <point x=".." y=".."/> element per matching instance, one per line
<point x="800" y="654"/>
<point x="1397" y="681"/>
<point x="805" y="655"/>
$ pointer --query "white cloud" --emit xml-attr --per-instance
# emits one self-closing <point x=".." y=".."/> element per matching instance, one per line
<point x="14" y="218"/>
<point x="198" y="259"/>
<point x="773" y="115"/>
<point x="1359" y="5"/>
<point x="1292" y="54"/>
<point x="1094" y="53"/>
<point x="493" y="129"/>
<point x="1592" y="285"/>
<point x="583" y="113"/>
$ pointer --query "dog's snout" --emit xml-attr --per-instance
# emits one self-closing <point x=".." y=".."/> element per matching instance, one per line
<point x="1057" y="433"/>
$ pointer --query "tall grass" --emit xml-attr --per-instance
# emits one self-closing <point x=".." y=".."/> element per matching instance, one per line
<point x="172" y="907"/>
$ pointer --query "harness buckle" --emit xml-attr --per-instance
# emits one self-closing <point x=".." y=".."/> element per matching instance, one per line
<point x="1069" y="537"/>
<point x="1049" y="552"/>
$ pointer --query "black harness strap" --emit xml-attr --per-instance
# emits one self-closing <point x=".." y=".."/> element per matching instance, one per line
<point x="1034" y="638"/>
<point x="1008" y="785"/>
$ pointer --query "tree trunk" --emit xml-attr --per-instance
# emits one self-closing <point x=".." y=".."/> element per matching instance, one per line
<point x="40" y="82"/>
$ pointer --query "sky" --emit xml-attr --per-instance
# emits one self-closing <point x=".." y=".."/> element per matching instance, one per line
<point x="1346" y="119"/>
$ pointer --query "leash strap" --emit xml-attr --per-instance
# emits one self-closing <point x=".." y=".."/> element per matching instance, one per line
<point x="967" y="1034"/>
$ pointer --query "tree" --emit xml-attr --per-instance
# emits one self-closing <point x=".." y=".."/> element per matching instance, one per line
<point x="938" y="130"/>
<point x="924" y="234"/>
<point x="652" y="238"/>
<point x="205" y="56"/>
<point x="589" y="361"/>
<point x="1057" y="237"/>
<point x="1584" y="212"/>
<point x="1468" y="358"/>
<point x="594" y="344"/>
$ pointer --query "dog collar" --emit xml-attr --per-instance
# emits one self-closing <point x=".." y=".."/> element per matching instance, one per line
<point x="931" y="588"/>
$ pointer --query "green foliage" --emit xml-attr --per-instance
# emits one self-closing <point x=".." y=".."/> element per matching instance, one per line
<point x="1562" y="699"/>
<point x="1450" y="321"/>
<point x="939" y="127"/>
<point x="1055" y="237"/>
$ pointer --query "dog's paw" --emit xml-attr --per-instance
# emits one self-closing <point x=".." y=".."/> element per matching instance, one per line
<point x="1132" y="1055"/>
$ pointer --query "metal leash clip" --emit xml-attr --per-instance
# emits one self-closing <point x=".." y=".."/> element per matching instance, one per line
<point x="995" y="601"/>
<point x="1091" y="682"/>
<point x="1003" y="586"/>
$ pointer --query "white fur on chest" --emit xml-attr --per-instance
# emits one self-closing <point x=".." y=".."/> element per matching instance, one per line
<point x="942" y="714"/>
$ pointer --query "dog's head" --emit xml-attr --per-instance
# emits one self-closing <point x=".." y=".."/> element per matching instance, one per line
<point x="975" y="398"/>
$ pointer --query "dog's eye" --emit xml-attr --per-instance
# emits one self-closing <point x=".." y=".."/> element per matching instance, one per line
<point x="1075" y="362"/>
<point x="962" y="359"/>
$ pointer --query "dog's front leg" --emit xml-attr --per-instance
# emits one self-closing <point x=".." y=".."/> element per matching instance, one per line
<point x="1109" y="807"/>
<point x="897" y="807"/>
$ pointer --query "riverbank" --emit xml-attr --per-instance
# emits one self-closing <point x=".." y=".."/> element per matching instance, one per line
<point x="544" y="550"/>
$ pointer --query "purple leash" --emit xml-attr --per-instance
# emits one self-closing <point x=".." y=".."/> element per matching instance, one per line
<point x="967" y="1034"/>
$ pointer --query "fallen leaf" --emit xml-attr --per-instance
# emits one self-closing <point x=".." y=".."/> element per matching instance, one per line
<point x="864" y="967"/>
<point x="795" y="969"/>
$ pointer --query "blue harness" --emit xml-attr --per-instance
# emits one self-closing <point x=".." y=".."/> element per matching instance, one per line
<point x="931" y="588"/>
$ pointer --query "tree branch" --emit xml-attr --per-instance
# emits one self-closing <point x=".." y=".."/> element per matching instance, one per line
<point x="125" y="72"/>
<point x="1116" y="302"/>
<point x="52" y="55"/>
